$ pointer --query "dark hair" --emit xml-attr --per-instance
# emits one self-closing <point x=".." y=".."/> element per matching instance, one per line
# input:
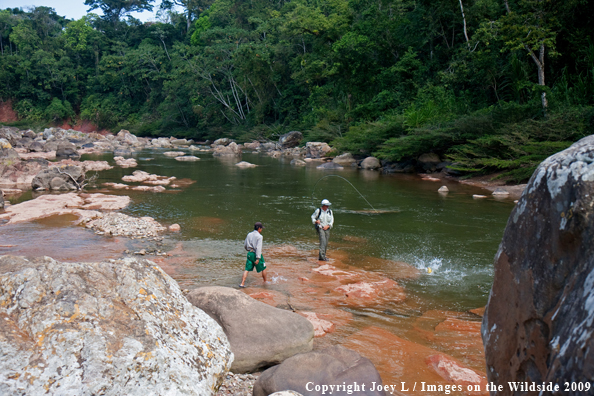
<point x="258" y="225"/>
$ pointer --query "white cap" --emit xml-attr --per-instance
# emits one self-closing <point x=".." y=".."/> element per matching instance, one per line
<point x="326" y="202"/>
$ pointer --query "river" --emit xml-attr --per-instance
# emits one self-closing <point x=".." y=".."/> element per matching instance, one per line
<point x="438" y="248"/>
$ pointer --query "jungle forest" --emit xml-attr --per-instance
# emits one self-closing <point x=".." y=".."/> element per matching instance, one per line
<point x="493" y="86"/>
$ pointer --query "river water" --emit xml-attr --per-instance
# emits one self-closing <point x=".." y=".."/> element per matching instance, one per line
<point x="448" y="241"/>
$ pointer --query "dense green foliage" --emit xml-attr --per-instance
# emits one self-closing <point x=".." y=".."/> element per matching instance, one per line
<point x="492" y="85"/>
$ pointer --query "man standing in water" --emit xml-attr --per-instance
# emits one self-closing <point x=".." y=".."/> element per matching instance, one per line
<point x="323" y="220"/>
<point x="253" y="244"/>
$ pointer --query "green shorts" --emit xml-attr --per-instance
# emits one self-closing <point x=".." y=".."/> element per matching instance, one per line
<point x="251" y="263"/>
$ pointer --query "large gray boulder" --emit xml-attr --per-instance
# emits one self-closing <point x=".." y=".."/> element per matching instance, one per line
<point x="111" y="328"/>
<point x="317" y="149"/>
<point x="9" y="154"/>
<point x="36" y="147"/>
<point x="24" y="142"/>
<point x="260" y="335"/>
<point x="331" y="366"/>
<point x="268" y="146"/>
<point x="345" y="159"/>
<point x="290" y="139"/>
<point x="61" y="178"/>
<point x="221" y="142"/>
<point x="371" y="163"/>
<point x="66" y="150"/>
<point x="232" y="149"/>
<point x="11" y="134"/>
<point x="539" y="322"/>
<point x="125" y="136"/>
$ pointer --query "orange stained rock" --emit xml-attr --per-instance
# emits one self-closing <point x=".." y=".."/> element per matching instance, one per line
<point x="321" y="326"/>
<point x="399" y="360"/>
<point x="366" y="290"/>
<point x="454" y="372"/>
<point x="271" y="297"/>
<point x="285" y="251"/>
<point x="479" y="311"/>
<point x="454" y="332"/>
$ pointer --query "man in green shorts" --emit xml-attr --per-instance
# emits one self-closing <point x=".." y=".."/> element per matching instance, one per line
<point x="253" y="244"/>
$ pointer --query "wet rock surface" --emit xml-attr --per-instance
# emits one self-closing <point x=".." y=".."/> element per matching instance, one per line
<point x="260" y="335"/>
<point x="113" y="328"/>
<point x="538" y="325"/>
<point x="333" y="365"/>
<point x="84" y="206"/>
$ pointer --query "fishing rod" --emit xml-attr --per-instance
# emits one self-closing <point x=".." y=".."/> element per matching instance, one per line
<point x="346" y="180"/>
<point x="429" y="270"/>
<point x="355" y="188"/>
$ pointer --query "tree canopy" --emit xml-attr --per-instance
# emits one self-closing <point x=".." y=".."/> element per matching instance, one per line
<point x="488" y="84"/>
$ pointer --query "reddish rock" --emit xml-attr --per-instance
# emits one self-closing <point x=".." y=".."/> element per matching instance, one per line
<point x="453" y="372"/>
<point x="174" y="228"/>
<point x="368" y="290"/>
<point x="538" y="325"/>
<point x="478" y="311"/>
<point x="125" y="162"/>
<point x="82" y="205"/>
<point x="321" y="326"/>
<point x="398" y="359"/>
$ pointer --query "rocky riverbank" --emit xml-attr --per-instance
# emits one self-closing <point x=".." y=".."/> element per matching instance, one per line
<point x="437" y="347"/>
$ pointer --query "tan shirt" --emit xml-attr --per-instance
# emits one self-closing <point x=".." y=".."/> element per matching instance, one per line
<point x="253" y="243"/>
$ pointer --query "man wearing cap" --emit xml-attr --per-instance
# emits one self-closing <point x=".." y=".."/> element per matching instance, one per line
<point x="323" y="220"/>
<point x="253" y="244"/>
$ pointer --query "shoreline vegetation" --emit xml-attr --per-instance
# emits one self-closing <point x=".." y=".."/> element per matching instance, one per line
<point x="491" y="87"/>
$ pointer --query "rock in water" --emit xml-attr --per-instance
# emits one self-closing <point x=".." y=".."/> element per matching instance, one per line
<point x="370" y="163"/>
<point x="330" y="366"/>
<point x="110" y="328"/>
<point x="291" y="139"/>
<point x="71" y="176"/>
<point x="260" y="335"/>
<point x="538" y="325"/>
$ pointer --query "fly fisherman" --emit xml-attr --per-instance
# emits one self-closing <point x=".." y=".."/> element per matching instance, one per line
<point x="323" y="220"/>
<point x="253" y="244"/>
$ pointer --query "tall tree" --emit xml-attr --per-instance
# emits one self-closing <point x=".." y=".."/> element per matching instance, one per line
<point x="114" y="10"/>
<point x="192" y="8"/>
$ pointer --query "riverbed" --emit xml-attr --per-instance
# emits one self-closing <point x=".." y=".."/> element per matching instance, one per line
<point x="437" y="248"/>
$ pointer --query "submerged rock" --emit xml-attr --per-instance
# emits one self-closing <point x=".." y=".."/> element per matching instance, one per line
<point x="245" y="164"/>
<point x="260" y="335"/>
<point x="187" y="158"/>
<point x="329" y="166"/>
<point x="538" y="324"/>
<point x="112" y="328"/>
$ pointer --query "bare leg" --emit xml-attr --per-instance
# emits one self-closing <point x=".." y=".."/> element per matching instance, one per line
<point x="244" y="278"/>
<point x="264" y="275"/>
